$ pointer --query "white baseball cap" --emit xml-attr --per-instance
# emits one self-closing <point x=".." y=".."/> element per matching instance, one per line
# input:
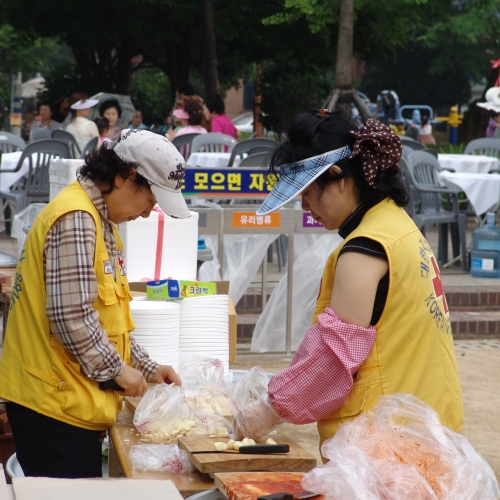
<point x="84" y="103"/>
<point x="157" y="160"/>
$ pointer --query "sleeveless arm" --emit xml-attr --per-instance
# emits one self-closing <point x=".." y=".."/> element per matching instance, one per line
<point x="320" y="376"/>
<point x="71" y="288"/>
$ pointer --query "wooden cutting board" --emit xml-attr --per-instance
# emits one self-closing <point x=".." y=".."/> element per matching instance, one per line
<point x="203" y="456"/>
<point x="132" y="403"/>
<point x="251" y="485"/>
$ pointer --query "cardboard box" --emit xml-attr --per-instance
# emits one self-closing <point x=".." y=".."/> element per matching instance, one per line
<point x="222" y="289"/>
<point x="179" y="289"/>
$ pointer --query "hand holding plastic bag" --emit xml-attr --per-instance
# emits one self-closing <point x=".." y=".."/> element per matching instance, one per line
<point x="255" y="420"/>
<point x="254" y="415"/>
<point x="398" y="451"/>
<point x="161" y="457"/>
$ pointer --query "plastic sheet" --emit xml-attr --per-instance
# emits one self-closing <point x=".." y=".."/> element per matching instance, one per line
<point x="25" y="217"/>
<point x="310" y="254"/>
<point x="400" y="451"/>
<point x="248" y="389"/>
<point x="243" y="255"/>
<point x="196" y="372"/>
<point x="160" y="457"/>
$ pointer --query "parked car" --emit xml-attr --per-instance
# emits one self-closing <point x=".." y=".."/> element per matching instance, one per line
<point x="244" y="122"/>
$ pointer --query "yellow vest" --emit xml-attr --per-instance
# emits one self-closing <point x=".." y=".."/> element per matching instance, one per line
<point x="35" y="370"/>
<point x="413" y="350"/>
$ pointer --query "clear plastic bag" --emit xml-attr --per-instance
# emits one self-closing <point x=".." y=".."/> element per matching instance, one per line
<point x="248" y="389"/>
<point x="202" y="373"/>
<point x="160" y="457"/>
<point x="397" y="451"/>
<point x="163" y="415"/>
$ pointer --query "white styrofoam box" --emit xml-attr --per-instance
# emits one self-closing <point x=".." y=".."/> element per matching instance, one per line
<point x="62" y="173"/>
<point x="180" y="247"/>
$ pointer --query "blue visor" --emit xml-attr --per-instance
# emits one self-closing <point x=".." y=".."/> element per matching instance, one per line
<point x="295" y="177"/>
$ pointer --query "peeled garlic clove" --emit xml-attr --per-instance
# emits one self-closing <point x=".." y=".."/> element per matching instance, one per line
<point x="237" y="445"/>
<point x="230" y="444"/>
<point x="248" y="442"/>
<point x="271" y="441"/>
<point x="219" y="446"/>
<point x="220" y="429"/>
<point x="224" y="434"/>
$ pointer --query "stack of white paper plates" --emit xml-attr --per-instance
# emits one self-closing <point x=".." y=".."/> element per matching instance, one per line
<point x="204" y="329"/>
<point x="157" y="329"/>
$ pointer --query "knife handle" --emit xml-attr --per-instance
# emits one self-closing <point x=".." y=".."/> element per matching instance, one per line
<point x="277" y="496"/>
<point x="109" y="385"/>
<point x="265" y="449"/>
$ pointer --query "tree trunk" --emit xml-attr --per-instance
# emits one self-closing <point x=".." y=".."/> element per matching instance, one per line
<point x="343" y="73"/>
<point x="257" y="103"/>
<point x="210" y="75"/>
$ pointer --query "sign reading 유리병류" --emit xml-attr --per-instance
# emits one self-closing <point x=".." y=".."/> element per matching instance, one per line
<point x="249" y="219"/>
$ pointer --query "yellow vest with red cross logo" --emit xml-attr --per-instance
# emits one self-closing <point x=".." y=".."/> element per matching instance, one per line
<point x="413" y="351"/>
<point x="36" y="371"/>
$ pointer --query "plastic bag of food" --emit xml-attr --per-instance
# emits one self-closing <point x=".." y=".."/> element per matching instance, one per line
<point x="160" y="457"/>
<point x="248" y="389"/>
<point x="163" y="415"/>
<point x="197" y="372"/>
<point x="397" y="451"/>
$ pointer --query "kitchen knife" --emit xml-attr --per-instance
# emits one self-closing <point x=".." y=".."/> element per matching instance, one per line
<point x="265" y="449"/>
<point x="109" y="385"/>
<point x="289" y="496"/>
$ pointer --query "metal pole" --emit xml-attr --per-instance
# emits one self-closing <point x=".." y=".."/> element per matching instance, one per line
<point x="264" y="281"/>
<point x="289" y="295"/>
<point x="16" y="104"/>
<point x="221" y="255"/>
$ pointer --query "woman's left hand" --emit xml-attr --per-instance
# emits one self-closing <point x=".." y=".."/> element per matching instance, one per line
<point x="165" y="375"/>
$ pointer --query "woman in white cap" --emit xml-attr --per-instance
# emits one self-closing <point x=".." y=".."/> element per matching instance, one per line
<point x="69" y="323"/>
<point x="381" y="323"/>
<point x="80" y="126"/>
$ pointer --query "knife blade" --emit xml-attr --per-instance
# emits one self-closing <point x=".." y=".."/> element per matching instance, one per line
<point x="289" y="496"/>
<point x="265" y="449"/>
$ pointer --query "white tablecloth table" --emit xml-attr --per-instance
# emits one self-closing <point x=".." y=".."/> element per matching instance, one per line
<point x="482" y="190"/>
<point x="211" y="160"/>
<point x="473" y="164"/>
<point x="9" y="162"/>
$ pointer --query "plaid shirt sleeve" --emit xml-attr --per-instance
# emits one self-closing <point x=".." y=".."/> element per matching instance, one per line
<point x="141" y="360"/>
<point x="320" y="376"/>
<point x="71" y="288"/>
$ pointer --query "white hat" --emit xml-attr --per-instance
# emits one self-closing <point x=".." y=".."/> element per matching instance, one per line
<point x="84" y="103"/>
<point x="492" y="99"/>
<point x="160" y="163"/>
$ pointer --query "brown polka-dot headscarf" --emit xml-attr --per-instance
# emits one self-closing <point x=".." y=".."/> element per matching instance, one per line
<point x="379" y="147"/>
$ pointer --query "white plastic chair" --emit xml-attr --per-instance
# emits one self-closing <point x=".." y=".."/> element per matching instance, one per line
<point x="213" y="143"/>
<point x="13" y="467"/>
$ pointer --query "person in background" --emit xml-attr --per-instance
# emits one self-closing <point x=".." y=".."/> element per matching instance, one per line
<point x="61" y="107"/>
<point x="425" y="132"/>
<point x="103" y="128"/>
<point x="80" y="126"/>
<point x="191" y="117"/>
<point x="44" y="118"/>
<point x="398" y="127"/>
<point x="493" y="124"/>
<point x="214" y="112"/>
<point x="165" y="127"/>
<point x="136" y="122"/>
<point x="387" y="108"/>
<point x="29" y="118"/>
<point x="111" y="110"/>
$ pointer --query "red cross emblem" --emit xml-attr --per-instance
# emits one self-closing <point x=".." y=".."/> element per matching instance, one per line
<point x="437" y="284"/>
